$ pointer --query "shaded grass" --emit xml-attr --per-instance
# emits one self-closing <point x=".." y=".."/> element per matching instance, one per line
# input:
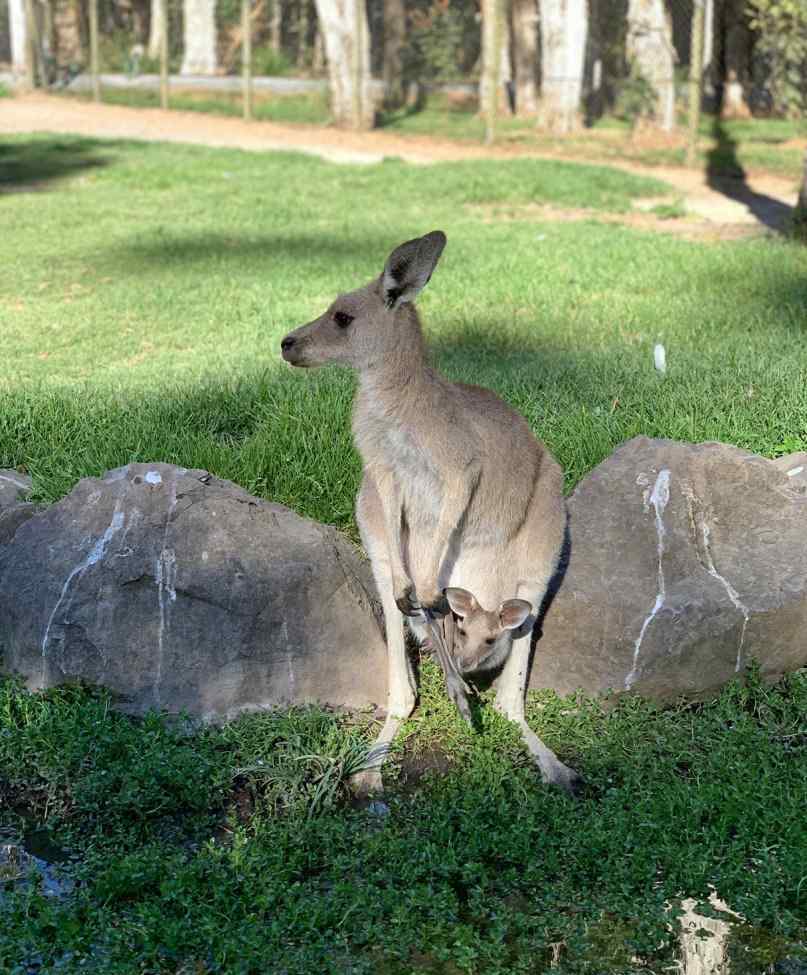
<point x="212" y="853"/>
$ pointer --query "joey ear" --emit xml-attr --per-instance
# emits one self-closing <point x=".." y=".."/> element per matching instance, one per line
<point x="513" y="612"/>
<point x="410" y="266"/>
<point x="462" y="602"/>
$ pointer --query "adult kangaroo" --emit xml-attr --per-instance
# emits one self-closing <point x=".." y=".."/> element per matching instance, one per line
<point x="457" y="492"/>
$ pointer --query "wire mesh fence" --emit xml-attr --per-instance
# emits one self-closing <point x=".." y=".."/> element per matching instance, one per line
<point x="627" y="66"/>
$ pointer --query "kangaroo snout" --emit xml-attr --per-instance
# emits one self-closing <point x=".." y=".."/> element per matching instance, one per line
<point x="291" y="349"/>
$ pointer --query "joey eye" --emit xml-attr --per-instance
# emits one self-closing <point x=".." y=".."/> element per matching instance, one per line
<point x="490" y="641"/>
<point x="460" y="631"/>
<point x="342" y="319"/>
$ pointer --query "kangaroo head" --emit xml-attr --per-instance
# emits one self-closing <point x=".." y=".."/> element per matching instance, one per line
<point x="361" y="328"/>
<point x="482" y="637"/>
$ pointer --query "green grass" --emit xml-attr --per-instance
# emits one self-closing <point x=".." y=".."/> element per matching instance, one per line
<point x="311" y="109"/>
<point x="143" y="302"/>
<point x="756" y="144"/>
<point x="234" y="850"/>
<point x="143" y="293"/>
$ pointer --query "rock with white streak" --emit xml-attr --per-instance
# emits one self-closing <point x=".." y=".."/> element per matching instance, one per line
<point x="14" y="510"/>
<point x="181" y="591"/>
<point x="686" y="562"/>
<point x="794" y="467"/>
<point x="14" y="488"/>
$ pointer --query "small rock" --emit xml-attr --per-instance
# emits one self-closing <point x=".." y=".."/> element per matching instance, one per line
<point x="378" y="808"/>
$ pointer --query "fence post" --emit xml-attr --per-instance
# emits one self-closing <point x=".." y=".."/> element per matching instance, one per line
<point x="246" y="58"/>
<point x="164" y="55"/>
<point x="96" y="81"/>
<point x="491" y="25"/>
<point x="695" y="79"/>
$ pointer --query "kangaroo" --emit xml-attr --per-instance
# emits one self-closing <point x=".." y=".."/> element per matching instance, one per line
<point x="456" y="490"/>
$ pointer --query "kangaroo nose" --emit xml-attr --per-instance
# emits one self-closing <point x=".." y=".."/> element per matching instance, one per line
<point x="287" y="343"/>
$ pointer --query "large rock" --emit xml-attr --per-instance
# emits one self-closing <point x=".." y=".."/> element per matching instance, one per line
<point x="178" y="590"/>
<point x="686" y="562"/>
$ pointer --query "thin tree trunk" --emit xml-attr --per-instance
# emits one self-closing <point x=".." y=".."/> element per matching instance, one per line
<point x="504" y="73"/>
<point x="800" y="213"/>
<point x="695" y="80"/>
<point x="394" y="36"/>
<point x="525" y="55"/>
<point x="343" y="24"/>
<point x="737" y="58"/>
<point x="155" y="29"/>
<point x="491" y="65"/>
<point x="650" y="48"/>
<point x="275" y="25"/>
<point x="302" y="34"/>
<point x="564" y="29"/>
<point x="318" y="57"/>
<point x="199" y="37"/>
<point x="19" y="36"/>
<point x="95" y="70"/>
<point x="246" y="59"/>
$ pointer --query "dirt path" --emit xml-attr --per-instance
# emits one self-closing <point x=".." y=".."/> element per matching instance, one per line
<point x="739" y="208"/>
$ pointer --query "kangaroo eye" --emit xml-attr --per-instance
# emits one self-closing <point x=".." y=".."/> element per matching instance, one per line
<point x="460" y="631"/>
<point x="343" y="319"/>
<point x="490" y="641"/>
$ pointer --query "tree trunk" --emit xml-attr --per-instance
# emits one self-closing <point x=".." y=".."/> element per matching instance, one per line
<point x="199" y="29"/>
<point x="302" y="34"/>
<point x="525" y="55"/>
<point x="491" y="65"/>
<point x="650" y="49"/>
<point x="564" y="27"/>
<point x="800" y="213"/>
<point x="492" y="73"/>
<point x="19" y="36"/>
<point x="737" y="57"/>
<point x="155" y="29"/>
<point x="394" y="36"/>
<point x="343" y="24"/>
<point x="318" y="56"/>
<point x="66" y="32"/>
<point x="275" y="25"/>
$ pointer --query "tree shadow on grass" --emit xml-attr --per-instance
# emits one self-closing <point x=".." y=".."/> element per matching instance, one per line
<point x="165" y="251"/>
<point x="31" y="165"/>
<point x="725" y="174"/>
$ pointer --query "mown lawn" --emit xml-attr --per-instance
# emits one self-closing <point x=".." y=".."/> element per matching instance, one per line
<point x="143" y="293"/>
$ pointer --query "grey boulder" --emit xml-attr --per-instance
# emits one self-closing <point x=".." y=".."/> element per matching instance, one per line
<point x="686" y="561"/>
<point x="181" y="591"/>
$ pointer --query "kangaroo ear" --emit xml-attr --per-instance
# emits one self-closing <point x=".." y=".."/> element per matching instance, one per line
<point x="513" y="612"/>
<point x="410" y="266"/>
<point x="461" y="601"/>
